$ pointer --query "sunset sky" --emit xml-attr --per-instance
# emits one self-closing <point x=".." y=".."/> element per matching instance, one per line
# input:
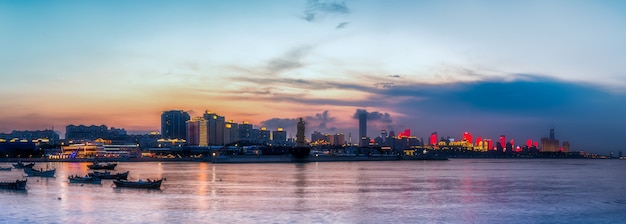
<point x="516" y="68"/>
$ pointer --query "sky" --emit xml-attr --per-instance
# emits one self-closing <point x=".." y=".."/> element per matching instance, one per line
<point x="514" y="68"/>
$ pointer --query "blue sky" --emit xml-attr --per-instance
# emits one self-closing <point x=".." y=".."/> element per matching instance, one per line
<point x="489" y="67"/>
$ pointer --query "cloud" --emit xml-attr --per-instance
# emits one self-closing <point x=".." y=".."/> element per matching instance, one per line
<point x="342" y="25"/>
<point x="274" y="123"/>
<point x="317" y="122"/>
<point x="316" y="8"/>
<point x="373" y="116"/>
<point x="322" y="119"/>
<point x="290" y="60"/>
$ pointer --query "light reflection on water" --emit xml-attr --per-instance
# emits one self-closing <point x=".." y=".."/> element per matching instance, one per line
<point x="461" y="190"/>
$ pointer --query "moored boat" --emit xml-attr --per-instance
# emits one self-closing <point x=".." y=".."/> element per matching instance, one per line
<point x="84" y="180"/>
<point x="109" y="175"/>
<point x="5" y="168"/>
<point x="98" y="166"/>
<point x="39" y="173"/>
<point x="146" y="184"/>
<point x="20" y="165"/>
<point x="13" y="185"/>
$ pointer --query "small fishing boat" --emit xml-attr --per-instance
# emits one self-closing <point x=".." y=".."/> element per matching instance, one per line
<point x="20" y="165"/>
<point x="109" y="175"/>
<point x="146" y="184"/>
<point x="84" y="180"/>
<point x="98" y="166"/>
<point x="5" y="168"/>
<point x="40" y="172"/>
<point x="13" y="185"/>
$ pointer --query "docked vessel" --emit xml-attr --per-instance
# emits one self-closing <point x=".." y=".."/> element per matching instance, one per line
<point x="13" y="185"/>
<point x="20" y="165"/>
<point x="84" y="180"/>
<point x="5" y="168"/>
<point x="39" y="173"/>
<point x="109" y="175"/>
<point x="146" y="184"/>
<point x="99" y="166"/>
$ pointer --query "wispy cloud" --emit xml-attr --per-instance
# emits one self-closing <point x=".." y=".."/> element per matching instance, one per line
<point x="316" y="8"/>
<point x="342" y="25"/>
<point x="292" y="59"/>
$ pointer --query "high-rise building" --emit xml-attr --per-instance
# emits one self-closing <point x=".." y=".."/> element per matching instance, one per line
<point x="173" y="124"/>
<point x="433" y="139"/>
<point x="246" y="132"/>
<point x="468" y="137"/>
<point x="231" y="132"/>
<point x="216" y="126"/>
<point x="502" y="141"/>
<point x="340" y="139"/>
<point x="279" y="136"/>
<point x="383" y="134"/>
<point x="489" y="143"/>
<point x="194" y="136"/>
<point x="550" y="144"/>
<point x="363" y="129"/>
<point x="264" y="135"/>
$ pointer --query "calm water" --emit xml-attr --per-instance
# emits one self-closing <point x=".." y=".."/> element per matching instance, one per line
<point x="455" y="191"/>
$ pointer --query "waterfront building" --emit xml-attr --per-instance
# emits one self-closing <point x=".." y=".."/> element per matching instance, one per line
<point x="502" y="142"/>
<point x="489" y="143"/>
<point x="92" y="132"/>
<point x="215" y="128"/>
<point x="279" y="136"/>
<point x="467" y="137"/>
<point x="264" y="135"/>
<point x="340" y="139"/>
<point x="433" y="139"/>
<point x="317" y="136"/>
<point x="550" y="144"/>
<point x="364" y="141"/>
<point x="383" y="134"/>
<point x="246" y="132"/>
<point x="196" y="132"/>
<point x="39" y="137"/>
<point x="174" y="124"/>
<point x="231" y="132"/>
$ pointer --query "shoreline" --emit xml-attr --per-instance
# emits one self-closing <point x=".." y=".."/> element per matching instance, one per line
<point x="268" y="159"/>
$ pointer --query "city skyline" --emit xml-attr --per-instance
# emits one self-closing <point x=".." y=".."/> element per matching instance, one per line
<point x="505" y="68"/>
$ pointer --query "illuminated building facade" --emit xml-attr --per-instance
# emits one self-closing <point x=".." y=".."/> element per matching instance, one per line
<point x="433" y="139"/>
<point x="467" y="137"/>
<point x="231" y="132"/>
<point x="502" y="141"/>
<point x="550" y="144"/>
<point x="279" y="135"/>
<point x="174" y="124"/>
<point x="215" y="130"/>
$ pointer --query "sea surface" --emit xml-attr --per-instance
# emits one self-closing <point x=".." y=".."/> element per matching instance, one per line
<point x="454" y="191"/>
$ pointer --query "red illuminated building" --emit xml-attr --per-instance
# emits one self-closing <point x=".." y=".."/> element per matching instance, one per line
<point x="406" y="133"/>
<point x="433" y="138"/>
<point x="503" y="141"/>
<point x="489" y="144"/>
<point x="529" y="143"/>
<point x="467" y="137"/>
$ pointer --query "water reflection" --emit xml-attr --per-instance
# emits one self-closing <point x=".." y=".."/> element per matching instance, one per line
<point x="300" y="186"/>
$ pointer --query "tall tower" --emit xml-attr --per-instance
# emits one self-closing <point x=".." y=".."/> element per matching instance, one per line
<point x="552" y="133"/>
<point x="362" y="127"/>
<point x="173" y="124"/>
